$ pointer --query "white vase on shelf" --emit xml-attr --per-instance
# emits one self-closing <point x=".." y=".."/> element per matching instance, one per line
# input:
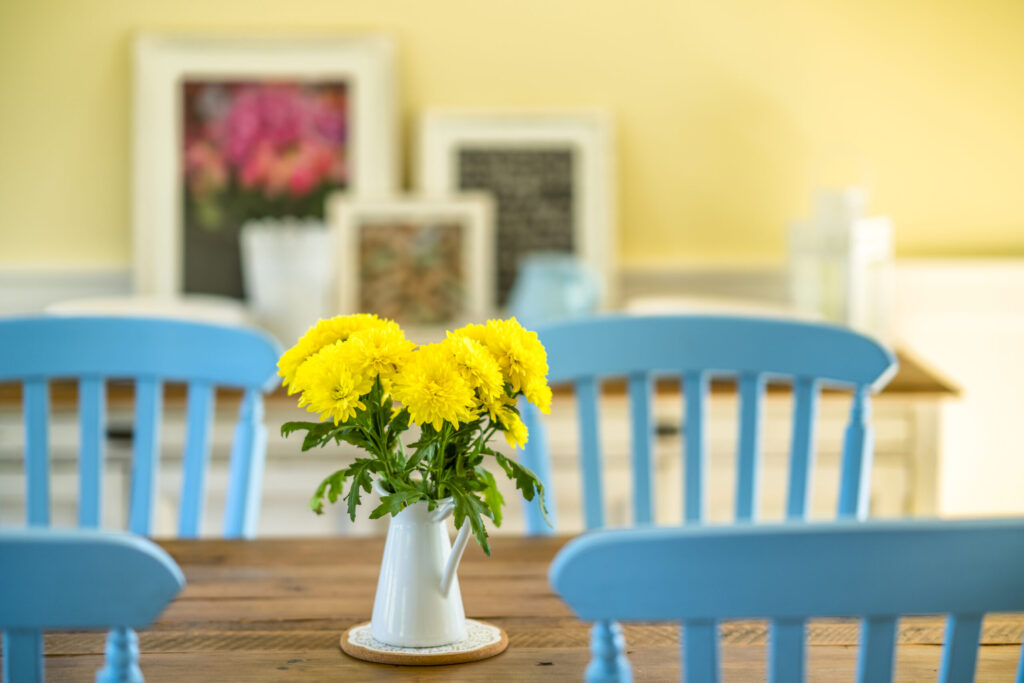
<point x="840" y="263"/>
<point x="288" y="273"/>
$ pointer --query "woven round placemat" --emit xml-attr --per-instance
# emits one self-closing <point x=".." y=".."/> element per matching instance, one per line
<point x="483" y="640"/>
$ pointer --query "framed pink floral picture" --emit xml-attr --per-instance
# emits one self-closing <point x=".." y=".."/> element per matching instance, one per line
<point x="252" y="150"/>
<point x="235" y="130"/>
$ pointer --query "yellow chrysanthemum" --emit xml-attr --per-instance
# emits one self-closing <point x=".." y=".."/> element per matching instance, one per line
<point x="477" y="366"/>
<point x="328" y="386"/>
<point x="516" y="433"/>
<point x="472" y="331"/>
<point x="323" y="333"/>
<point x="519" y="353"/>
<point x="379" y="351"/>
<point x="434" y="390"/>
<point x="537" y="392"/>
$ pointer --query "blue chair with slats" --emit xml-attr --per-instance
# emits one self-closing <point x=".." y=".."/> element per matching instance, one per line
<point x="696" y="348"/>
<point x="150" y="351"/>
<point x="788" y="572"/>
<point x="80" y="579"/>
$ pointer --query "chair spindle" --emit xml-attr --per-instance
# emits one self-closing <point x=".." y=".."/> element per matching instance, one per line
<point x="590" y="446"/>
<point x="748" y="464"/>
<point x="695" y="455"/>
<point x="801" y="461"/>
<point x="877" y="649"/>
<point x="535" y="459"/>
<point x="1020" y="666"/>
<point x="960" y="653"/>
<point x="92" y="430"/>
<point x="197" y="457"/>
<point x="122" y="658"/>
<point x="247" y="460"/>
<point x="145" y="453"/>
<point x="787" y="652"/>
<point x="700" y="651"/>
<point x="855" y="484"/>
<point x="608" y="662"/>
<point x="23" y="655"/>
<point x="37" y="451"/>
<point x="640" y="388"/>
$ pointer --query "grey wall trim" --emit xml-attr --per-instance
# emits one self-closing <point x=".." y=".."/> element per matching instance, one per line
<point x="27" y="289"/>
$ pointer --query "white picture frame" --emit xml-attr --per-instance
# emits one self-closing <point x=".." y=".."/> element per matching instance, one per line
<point x="163" y="62"/>
<point x="350" y="217"/>
<point x="588" y="135"/>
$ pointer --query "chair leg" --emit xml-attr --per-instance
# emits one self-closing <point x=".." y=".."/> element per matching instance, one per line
<point x="608" y="663"/>
<point x="23" y="656"/>
<point x="122" y="660"/>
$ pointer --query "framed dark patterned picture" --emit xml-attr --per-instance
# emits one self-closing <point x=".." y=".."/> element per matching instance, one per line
<point x="234" y="130"/>
<point x="421" y="262"/>
<point x="549" y="175"/>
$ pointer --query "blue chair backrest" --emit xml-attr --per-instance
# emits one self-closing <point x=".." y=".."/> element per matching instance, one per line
<point x="697" y="348"/>
<point x="787" y="572"/>
<point x="149" y="351"/>
<point x="79" y="579"/>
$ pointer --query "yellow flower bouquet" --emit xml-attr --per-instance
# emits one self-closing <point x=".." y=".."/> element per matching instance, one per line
<point x="368" y="384"/>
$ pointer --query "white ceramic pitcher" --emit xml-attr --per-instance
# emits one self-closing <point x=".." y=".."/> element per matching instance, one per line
<point x="418" y="603"/>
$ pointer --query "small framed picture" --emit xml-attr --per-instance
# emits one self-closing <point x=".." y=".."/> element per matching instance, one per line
<point x="550" y="176"/>
<point x="425" y="263"/>
<point x="233" y="129"/>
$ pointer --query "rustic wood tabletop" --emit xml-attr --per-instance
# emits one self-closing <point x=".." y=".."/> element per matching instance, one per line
<point x="273" y="610"/>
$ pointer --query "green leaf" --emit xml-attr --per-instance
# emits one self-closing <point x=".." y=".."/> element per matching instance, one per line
<point x="396" y="502"/>
<point x="355" y="436"/>
<point x="289" y="427"/>
<point x="469" y="508"/>
<point x="364" y="420"/>
<point x="492" y="497"/>
<point x="526" y="481"/>
<point x="428" y="435"/>
<point x="399" y="423"/>
<point x="424" y="452"/>
<point x="360" y="472"/>
<point x="318" y="435"/>
<point x="331" y="487"/>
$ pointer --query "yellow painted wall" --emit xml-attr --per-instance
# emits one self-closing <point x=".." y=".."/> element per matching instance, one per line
<point x="727" y="110"/>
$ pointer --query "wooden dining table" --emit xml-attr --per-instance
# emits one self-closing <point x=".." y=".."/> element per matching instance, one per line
<point x="274" y="610"/>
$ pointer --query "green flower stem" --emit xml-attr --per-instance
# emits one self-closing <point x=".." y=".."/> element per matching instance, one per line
<point x="438" y="469"/>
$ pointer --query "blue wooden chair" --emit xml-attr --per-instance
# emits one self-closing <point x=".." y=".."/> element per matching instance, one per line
<point x="787" y="572"/>
<point x="80" y="579"/>
<point x="149" y="351"/>
<point x="696" y="348"/>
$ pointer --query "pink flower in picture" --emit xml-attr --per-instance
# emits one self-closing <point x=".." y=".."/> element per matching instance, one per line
<point x="282" y="142"/>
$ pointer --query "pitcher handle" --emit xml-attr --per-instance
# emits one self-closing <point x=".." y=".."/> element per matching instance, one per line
<point x="443" y="510"/>
<point x="453" y="559"/>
